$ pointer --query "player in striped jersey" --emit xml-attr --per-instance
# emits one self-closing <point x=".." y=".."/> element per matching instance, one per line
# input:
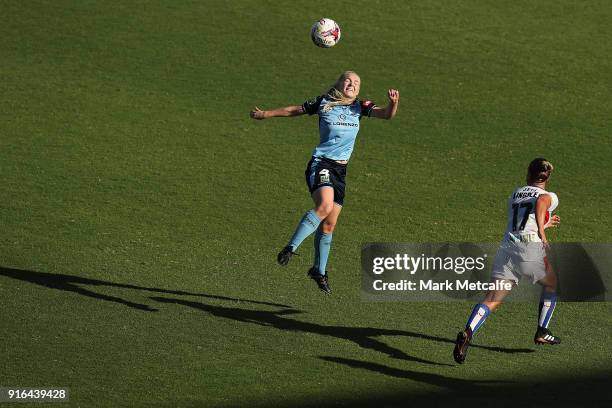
<point x="522" y="252"/>
<point x="340" y="112"/>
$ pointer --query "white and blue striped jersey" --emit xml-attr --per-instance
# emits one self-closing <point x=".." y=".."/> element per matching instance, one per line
<point x="338" y="128"/>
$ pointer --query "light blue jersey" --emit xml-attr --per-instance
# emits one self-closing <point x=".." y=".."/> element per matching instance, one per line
<point x="338" y="128"/>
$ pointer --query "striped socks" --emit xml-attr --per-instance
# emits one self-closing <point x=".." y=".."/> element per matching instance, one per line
<point x="548" y="301"/>
<point x="478" y="317"/>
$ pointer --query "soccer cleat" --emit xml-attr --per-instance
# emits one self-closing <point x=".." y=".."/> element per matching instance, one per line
<point x="461" y="345"/>
<point x="321" y="280"/>
<point x="544" y="336"/>
<point x="284" y="255"/>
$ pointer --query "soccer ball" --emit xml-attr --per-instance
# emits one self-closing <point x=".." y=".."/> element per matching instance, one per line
<point x="325" y="33"/>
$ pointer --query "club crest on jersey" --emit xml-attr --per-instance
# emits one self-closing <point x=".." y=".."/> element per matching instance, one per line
<point x="324" y="176"/>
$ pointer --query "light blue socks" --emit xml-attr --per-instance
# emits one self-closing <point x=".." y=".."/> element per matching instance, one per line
<point x="322" y="244"/>
<point x="309" y="224"/>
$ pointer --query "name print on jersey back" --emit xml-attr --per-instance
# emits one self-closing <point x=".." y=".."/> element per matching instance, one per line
<point x="521" y="211"/>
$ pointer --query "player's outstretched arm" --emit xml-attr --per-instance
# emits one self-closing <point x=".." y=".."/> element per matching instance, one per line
<point x="542" y="206"/>
<point x="279" y="112"/>
<point x="389" y="111"/>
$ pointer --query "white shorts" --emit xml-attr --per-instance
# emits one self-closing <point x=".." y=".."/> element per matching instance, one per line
<point x="515" y="261"/>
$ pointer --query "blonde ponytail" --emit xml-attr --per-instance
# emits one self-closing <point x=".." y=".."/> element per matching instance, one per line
<point x="539" y="170"/>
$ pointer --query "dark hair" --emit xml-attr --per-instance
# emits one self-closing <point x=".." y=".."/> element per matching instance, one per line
<point x="539" y="170"/>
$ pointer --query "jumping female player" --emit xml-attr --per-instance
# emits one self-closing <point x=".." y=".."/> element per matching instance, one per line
<point x="522" y="252"/>
<point x="339" y="112"/>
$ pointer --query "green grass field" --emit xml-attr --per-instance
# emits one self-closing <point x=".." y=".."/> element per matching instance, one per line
<point x="142" y="210"/>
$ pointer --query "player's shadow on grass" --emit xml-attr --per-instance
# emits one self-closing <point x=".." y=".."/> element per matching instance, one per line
<point x="364" y="337"/>
<point x="429" y="378"/>
<point x="277" y="319"/>
<point x="554" y="390"/>
<point x="76" y="284"/>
